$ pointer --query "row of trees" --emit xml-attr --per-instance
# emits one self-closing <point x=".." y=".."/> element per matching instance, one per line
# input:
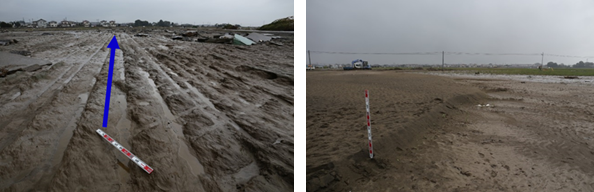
<point x="5" y="25"/>
<point x="580" y="64"/>
<point x="161" y="23"/>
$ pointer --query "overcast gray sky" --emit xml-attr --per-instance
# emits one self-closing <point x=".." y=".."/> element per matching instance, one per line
<point x="486" y="26"/>
<point x="246" y="13"/>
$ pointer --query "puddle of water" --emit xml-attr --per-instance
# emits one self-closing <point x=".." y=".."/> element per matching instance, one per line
<point x="122" y="77"/>
<point x="278" y="141"/>
<point x="183" y="151"/>
<point x="124" y="123"/>
<point x="245" y="174"/>
<point x="67" y="134"/>
<point x="123" y="173"/>
<point x="83" y="97"/>
<point x="163" y="47"/>
<point x="195" y="167"/>
<point x="243" y="101"/>
<point x="123" y="129"/>
<point x="65" y="137"/>
<point x="17" y="94"/>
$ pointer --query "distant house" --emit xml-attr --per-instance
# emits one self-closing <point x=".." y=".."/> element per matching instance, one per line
<point x="41" y="23"/>
<point x="73" y="24"/>
<point x="104" y="23"/>
<point x="112" y="23"/>
<point x="64" y="23"/>
<point x="53" y="24"/>
<point x="86" y="23"/>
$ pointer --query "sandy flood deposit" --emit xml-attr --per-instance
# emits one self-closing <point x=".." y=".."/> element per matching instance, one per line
<point x="205" y="117"/>
<point x="430" y="134"/>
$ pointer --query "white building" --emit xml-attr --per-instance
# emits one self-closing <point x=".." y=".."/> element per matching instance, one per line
<point x="41" y="23"/>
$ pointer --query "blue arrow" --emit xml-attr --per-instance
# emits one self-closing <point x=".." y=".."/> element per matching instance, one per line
<point x="113" y="45"/>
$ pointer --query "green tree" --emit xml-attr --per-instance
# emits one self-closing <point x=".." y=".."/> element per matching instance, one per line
<point x="5" y="25"/>
<point x="139" y="23"/>
<point x="552" y="65"/>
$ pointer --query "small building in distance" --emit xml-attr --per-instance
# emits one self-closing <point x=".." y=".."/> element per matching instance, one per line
<point x="64" y="23"/>
<point x="41" y="23"/>
<point x="86" y="23"/>
<point x="112" y="23"/>
<point x="53" y="24"/>
<point x="104" y="23"/>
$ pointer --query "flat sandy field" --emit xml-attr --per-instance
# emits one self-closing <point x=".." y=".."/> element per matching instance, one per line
<point x="205" y="117"/>
<point x="430" y="134"/>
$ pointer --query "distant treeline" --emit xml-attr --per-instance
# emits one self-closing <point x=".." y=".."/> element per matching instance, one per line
<point x="161" y="23"/>
<point x="580" y="64"/>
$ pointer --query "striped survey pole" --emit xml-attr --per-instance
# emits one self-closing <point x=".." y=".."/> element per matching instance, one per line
<point x="128" y="154"/>
<point x="368" y="124"/>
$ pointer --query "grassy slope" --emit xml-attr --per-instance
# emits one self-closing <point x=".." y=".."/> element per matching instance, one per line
<point x="526" y="71"/>
<point x="284" y="24"/>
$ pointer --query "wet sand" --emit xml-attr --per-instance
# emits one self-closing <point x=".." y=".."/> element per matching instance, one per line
<point x="204" y="116"/>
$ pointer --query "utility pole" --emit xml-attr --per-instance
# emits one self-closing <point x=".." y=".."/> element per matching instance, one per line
<point x="542" y="59"/>
<point x="442" y="63"/>
<point x="308" y="55"/>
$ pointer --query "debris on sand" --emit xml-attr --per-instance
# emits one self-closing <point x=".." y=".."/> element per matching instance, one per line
<point x="23" y="53"/>
<point x="241" y="40"/>
<point x="571" y="77"/>
<point x="257" y="37"/>
<point x="14" y="62"/>
<point x="190" y="34"/>
<point x="141" y="35"/>
<point x="8" y="41"/>
<point x="276" y="43"/>
<point x="3" y="72"/>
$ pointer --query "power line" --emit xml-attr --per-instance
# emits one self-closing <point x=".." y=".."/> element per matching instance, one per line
<point x="451" y="53"/>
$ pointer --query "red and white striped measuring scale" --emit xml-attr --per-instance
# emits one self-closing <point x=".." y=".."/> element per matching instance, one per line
<point x="368" y="124"/>
<point x="125" y="151"/>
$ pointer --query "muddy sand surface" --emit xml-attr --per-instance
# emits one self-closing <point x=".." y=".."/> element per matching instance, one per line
<point x="430" y="134"/>
<point x="205" y="117"/>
